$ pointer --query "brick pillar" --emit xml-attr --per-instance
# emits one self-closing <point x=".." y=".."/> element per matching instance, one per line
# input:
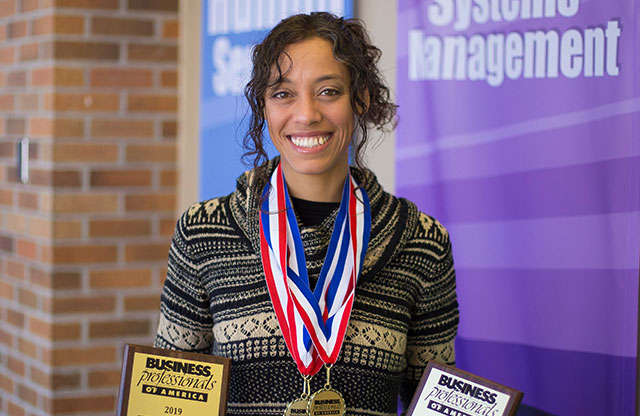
<point x="83" y="244"/>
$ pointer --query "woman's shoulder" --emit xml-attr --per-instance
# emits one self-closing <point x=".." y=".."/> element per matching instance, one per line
<point x="429" y="227"/>
<point x="423" y="228"/>
<point x="209" y="212"/>
<point x="390" y="209"/>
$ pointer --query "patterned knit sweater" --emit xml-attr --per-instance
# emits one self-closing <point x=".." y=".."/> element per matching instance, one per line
<point x="215" y="300"/>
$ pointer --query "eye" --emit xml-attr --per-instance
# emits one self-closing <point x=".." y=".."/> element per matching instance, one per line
<point x="330" y="92"/>
<point x="280" y="94"/>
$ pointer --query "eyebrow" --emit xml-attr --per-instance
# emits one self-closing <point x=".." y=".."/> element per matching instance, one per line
<point x="322" y="78"/>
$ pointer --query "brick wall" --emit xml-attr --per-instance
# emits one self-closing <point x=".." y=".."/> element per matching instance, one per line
<point x="83" y="245"/>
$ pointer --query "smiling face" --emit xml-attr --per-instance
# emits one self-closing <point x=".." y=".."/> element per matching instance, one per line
<point x="309" y="114"/>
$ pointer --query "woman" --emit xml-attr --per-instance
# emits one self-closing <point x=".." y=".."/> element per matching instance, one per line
<point x="369" y="293"/>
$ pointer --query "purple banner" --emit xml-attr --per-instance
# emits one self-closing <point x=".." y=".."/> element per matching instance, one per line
<point x="561" y="382"/>
<point x="520" y="131"/>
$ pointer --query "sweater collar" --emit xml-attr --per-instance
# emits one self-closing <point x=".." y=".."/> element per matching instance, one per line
<point x="392" y="220"/>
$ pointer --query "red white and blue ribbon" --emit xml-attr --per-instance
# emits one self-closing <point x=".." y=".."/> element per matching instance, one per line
<point x="313" y="323"/>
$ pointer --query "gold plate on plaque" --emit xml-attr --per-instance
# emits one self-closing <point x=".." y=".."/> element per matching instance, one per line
<point x="155" y="381"/>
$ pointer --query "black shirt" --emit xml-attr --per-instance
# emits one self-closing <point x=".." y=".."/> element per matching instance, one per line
<point x="312" y="213"/>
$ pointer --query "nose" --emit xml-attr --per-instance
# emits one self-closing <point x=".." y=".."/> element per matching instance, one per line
<point x="306" y="110"/>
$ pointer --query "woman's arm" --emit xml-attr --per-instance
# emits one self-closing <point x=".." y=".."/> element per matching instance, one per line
<point x="185" y="318"/>
<point x="434" y="320"/>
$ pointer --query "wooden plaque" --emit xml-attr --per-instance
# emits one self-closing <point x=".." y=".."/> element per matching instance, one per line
<point x="155" y="381"/>
<point x="446" y="390"/>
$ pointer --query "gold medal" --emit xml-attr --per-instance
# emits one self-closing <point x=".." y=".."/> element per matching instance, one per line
<point x="297" y="407"/>
<point x="300" y="406"/>
<point x="327" y="401"/>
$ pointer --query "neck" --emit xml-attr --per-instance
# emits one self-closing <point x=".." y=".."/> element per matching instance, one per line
<point x="318" y="188"/>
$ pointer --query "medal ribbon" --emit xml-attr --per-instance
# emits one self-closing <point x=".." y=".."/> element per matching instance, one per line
<point x="313" y="323"/>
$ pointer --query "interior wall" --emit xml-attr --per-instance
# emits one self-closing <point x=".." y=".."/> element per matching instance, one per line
<point x="188" y="110"/>
<point x="380" y="17"/>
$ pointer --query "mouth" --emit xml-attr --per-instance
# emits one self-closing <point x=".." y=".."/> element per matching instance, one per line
<point x="310" y="142"/>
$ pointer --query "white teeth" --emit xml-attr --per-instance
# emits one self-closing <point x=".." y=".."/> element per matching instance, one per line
<point x="309" y="142"/>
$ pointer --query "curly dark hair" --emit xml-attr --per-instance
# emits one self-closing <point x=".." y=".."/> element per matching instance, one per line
<point x="370" y="97"/>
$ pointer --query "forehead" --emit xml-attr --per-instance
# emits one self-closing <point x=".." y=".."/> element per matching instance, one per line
<point x="308" y="58"/>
